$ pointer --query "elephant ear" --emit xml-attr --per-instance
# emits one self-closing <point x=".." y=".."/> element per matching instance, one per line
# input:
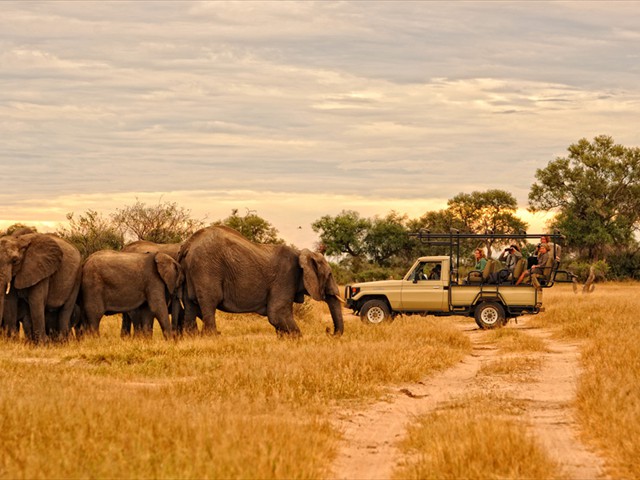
<point x="169" y="271"/>
<point x="42" y="258"/>
<point x="315" y="273"/>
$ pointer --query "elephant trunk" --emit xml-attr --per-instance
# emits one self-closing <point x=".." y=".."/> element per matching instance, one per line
<point x="5" y="285"/>
<point x="177" y="311"/>
<point x="2" y="298"/>
<point x="335" y="307"/>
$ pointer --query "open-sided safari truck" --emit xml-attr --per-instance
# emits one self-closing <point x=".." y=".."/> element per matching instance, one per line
<point x="432" y="286"/>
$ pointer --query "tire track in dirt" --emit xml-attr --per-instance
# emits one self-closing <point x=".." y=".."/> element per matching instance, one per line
<point x="369" y="450"/>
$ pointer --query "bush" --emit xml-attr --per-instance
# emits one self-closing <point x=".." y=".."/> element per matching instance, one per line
<point x="581" y="269"/>
<point x="624" y="265"/>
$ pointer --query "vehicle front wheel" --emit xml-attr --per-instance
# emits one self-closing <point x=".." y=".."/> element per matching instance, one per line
<point x="489" y="315"/>
<point x="374" y="312"/>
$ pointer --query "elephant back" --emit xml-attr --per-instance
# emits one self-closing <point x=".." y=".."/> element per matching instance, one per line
<point x="144" y="246"/>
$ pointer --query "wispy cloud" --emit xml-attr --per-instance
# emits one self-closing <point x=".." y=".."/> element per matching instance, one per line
<point x="383" y="104"/>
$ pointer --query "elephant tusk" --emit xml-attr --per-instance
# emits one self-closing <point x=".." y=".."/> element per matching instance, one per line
<point x="181" y="304"/>
<point x="8" y="288"/>
<point x="340" y="298"/>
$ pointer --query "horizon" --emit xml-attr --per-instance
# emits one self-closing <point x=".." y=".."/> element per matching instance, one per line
<point x="297" y="110"/>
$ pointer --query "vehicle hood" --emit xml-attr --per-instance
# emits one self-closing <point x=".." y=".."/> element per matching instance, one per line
<point x="376" y="284"/>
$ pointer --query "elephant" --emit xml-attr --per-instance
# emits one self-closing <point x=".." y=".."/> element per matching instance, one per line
<point x="45" y="272"/>
<point x="139" y="319"/>
<point x="225" y="271"/>
<point x="117" y="282"/>
<point x="15" y="312"/>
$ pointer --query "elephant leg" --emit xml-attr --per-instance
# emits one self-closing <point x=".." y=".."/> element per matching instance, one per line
<point x="177" y="316"/>
<point x="37" y="301"/>
<point x="189" y="324"/>
<point x="209" y="326"/>
<point x="281" y="317"/>
<point x="208" y="301"/>
<point x="51" y="324"/>
<point x="142" y="322"/>
<point x="64" y="316"/>
<point x="162" y="314"/>
<point x="27" y="325"/>
<point x="157" y="304"/>
<point x="92" y="316"/>
<point x="126" y="325"/>
<point x="10" y="319"/>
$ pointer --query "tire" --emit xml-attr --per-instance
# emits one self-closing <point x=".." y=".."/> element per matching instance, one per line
<point x="374" y="312"/>
<point x="489" y="315"/>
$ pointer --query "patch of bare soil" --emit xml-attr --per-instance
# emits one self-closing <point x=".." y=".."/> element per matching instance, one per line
<point x="369" y="449"/>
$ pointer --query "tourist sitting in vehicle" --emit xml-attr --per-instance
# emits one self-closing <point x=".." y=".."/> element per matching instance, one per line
<point x="540" y="267"/>
<point x="481" y="259"/>
<point x="510" y="257"/>
<point x="475" y="276"/>
<point x="435" y="272"/>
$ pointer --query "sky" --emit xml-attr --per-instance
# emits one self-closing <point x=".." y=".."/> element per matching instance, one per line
<point x="296" y="110"/>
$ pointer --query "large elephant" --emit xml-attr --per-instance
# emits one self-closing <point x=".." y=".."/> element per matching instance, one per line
<point x="225" y="271"/>
<point x="116" y="282"/>
<point x="139" y="319"/>
<point x="15" y="313"/>
<point x="45" y="272"/>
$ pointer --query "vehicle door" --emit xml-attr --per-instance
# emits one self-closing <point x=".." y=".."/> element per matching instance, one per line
<point x="424" y="288"/>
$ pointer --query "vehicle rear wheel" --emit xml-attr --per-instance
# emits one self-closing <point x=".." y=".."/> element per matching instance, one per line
<point x="489" y="315"/>
<point x="374" y="312"/>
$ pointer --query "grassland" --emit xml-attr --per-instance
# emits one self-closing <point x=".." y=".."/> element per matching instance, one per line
<point x="467" y="440"/>
<point x="242" y="405"/>
<point x="607" y="323"/>
<point x="249" y="405"/>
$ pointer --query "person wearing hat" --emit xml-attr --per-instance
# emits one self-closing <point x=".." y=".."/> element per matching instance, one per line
<point x="543" y="257"/>
<point x="510" y="257"/>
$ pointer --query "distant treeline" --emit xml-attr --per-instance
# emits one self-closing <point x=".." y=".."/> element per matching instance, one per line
<point x="594" y="191"/>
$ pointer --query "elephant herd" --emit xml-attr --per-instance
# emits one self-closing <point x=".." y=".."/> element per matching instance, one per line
<point x="52" y="292"/>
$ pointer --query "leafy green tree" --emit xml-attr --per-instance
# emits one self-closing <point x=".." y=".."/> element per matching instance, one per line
<point x="91" y="232"/>
<point x="595" y="191"/>
<point x="343" y="234"/>
<point x="437" y="221"/>
<point x="490" y="211"/>
<point x="165" y="222"/>
<point x="252" y="226"/>
<point x="386" y="237"/>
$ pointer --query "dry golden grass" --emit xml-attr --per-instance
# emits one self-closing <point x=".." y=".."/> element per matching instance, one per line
<point x="470" y="439"/>
<point x="519" y="369"/>
<point x="512" y="340"/>
<point x="242" y="405"/>
<point x="608" y="397"/>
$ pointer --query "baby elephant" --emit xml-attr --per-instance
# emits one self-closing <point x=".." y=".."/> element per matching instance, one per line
<point x="117" y="282"/>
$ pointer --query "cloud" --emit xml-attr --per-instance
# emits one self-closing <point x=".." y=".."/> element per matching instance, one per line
<point x="328" y="103"/>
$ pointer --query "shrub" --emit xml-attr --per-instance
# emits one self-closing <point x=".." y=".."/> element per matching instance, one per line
<point x="624" y="264"/>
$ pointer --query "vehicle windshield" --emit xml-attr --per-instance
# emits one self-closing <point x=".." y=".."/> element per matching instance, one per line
<point x="427" y="271"/>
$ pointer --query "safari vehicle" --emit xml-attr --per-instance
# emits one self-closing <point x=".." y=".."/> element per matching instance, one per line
<point x="432" y="286"/>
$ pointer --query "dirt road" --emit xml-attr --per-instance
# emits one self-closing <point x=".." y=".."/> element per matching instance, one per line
<point x="369" y="448"/>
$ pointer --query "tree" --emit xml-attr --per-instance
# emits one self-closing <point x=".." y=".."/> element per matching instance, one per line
<point x="595" y="191"/>
<point x="344" y="233"/>
<point x="490" y="211"/>
<point x="91" y="232"/>
<point x="386" y="237"/>
<point x="252" y="227"/>
<point x="165" y="222"/>
<point x="439" y="221"/>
